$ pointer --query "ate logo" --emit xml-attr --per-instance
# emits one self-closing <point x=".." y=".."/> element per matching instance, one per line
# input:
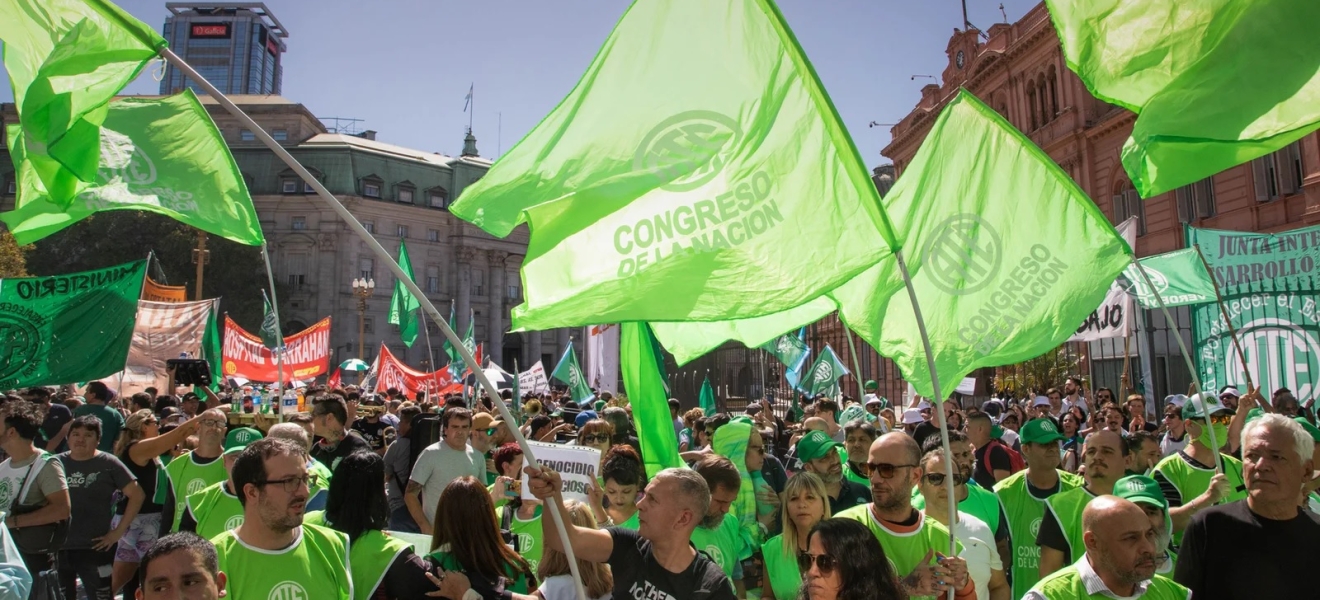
<point x="823" y="372"/>
<point x="234" y="522"/>
<point x="1047" y="425"/>
<point x="1035" y="528"/>
<point x="20" y="343"/>
<point x="1134" y="487"/>
<point x="964" y="256"/>
<point x="288" y="590"/>
<point x="688" y="149"/>
<point x="124" y="161"/>
<point x="1137" y="284"/>
<point x="1280" y="353"/>
<point x="715" y="554"/>
<point x="6" y="489"/>
<point x="194" y="486"/>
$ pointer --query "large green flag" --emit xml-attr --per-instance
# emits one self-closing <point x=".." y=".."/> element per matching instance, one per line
<point x="270" y="325"/>
<point x="1179" y="277"/>
<point x="1215" y="83"/>
<point x="570" y="373"/>
<point x="66" y="59"/>
<point x="640" y="364"/>
<point x="1007" y="255"/>
<point x="689" y="341"/>
<point x="162" y="155"/>
<point x="823" y="378"/>
<point x="707" y="398"/>
<point x="403" y="306"/>
<point x="68" y="328"/>
<point x="791" y="350"/>
<point x="698" y="149"/>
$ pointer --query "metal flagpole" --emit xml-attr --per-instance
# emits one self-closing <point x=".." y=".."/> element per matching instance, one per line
<point x="394" y="267"/>
<point x="430" y="354"/>
<point x="1182" y="346"/>
<point x="1232" y="333"/>
<point x="275" y="308"/>
<point x="857" y="371"/>
<point x="944" y="426"/>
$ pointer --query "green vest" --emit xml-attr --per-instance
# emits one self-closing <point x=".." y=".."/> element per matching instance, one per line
<point x="980" y="503"/>
<point x="316" y="566"/>
<point x="724" y="543"/>
<point x="215" y="510"/>
<point x="447" y="562"/>
<point x="1193" y="481"/>
<point x="1067" y="510"/>
<point x="371" y="556"/>
<point x="1024" y="513"/>
<point x="322" y="473"/>
<point x="187" y="478"/>
<point x="848" y="472"/>
<point x="904" y="550"/>
<point x="1066" y="584"/>
<point x="781" y="565"/>
<point x="528" y="533"/>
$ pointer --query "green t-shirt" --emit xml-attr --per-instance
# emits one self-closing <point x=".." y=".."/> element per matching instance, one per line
<point x="187" y="477"/>
<point x="1024" y="512"/>
<point x="903" y="549"/>
<point x="111" y="424"/>
<point x="1192" y="481"/>
<point x="848" y="471"/>
<point x="316" y="566"/>
<point x="980" y="503"/>
<point x="519" y="583"/>
<point x="725" y="544"/>
<point x="215" y="510"/>
<point x="528" y="534"/>
<point x="1067" y="584"/>
<point x="633" y="523"/>
<point x="781" y="565"/>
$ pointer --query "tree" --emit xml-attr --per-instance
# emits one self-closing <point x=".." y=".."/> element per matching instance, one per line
<point x="12" y="261"/>
<point x="235" y="273"/>
<point x="1034" y="376"/>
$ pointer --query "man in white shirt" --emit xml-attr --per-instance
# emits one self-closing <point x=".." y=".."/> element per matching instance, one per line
<point x="1072" y="394"/>
<point x="441" y="463"/>
<point x="979" y="550"/>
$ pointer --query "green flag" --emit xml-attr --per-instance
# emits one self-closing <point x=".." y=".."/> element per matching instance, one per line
<point x="211" y="348"/>
<point x="67" y="328"/>
<point x="1215" y="83"/>
<point x="1006" y="253"/>
<point x="570" y="373"/>
<point x="403" y="306"/>
<point x="675" y="168"/>
<point x="640" y="364"/>
<point x="823" y="378"/>
<point x="707" y="398"/>
<point x="162" y="155"/>
<point x="689" y="341"/>
<point x="449" y="348"/>
<point x="66" y="59"/>
<point x="270" y="325"/>
<point x="791" y="350"/>
<point x="1179" y="277"/>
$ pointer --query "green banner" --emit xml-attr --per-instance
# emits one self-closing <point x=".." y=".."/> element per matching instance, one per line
<point x="1241" y="260"/>
<point x="67" y="328"/>
<point x="1178" y="276"/>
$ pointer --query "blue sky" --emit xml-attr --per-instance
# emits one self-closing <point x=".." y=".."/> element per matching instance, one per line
<point x="404" y="66"/>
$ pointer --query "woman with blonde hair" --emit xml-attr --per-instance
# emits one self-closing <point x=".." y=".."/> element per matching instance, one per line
<point x="806" y="503"/>
<point x="557" y="580"/>
<point x="597" y="434"/>
<point x="467" y="539"/>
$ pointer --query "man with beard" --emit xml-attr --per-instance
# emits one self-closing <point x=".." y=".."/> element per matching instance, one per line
<point x="972" y="498"/>
<point x="1144" y="492"/>
<point x="1072" y="394"/>
<point x="1060" y="536"/>
<point x="908" y="536"/>
<point x="984" y="564"/>
<point x="1189" y="478"/>
<point x="719" y="534"/>
<point x="273" y="554"/>
<point x="1119" y="562"/>
<point x="858" y="437"/>
<point x="817" y="452"/>
<point x="1023" y="496"/>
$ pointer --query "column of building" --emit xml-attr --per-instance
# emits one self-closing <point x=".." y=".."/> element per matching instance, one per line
<point x="495" y="331"/>
<point x="463" y="298"/>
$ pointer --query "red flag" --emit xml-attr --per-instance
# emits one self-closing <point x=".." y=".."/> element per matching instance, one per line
<point x="335" y="381"/>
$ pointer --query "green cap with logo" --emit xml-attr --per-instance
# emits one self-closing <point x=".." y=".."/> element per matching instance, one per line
<point x="1142" y="490"/>
<point x="1196" y="406"/>
<point x="815" y="445"/>
<point x="1311" y="429"/>
<point x="239" y="438"/>
<point x="1040" y="431"/>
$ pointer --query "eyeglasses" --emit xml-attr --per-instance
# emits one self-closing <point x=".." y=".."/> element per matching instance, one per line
<point x="1221" y="419"/>
<point x="212" y="424"/>
<point x="824" y="562"/>
<point x="291" y="484"/>
<point x="149" y="421"/>
<point x="886" y="470"/>
<point x="595" y="439"/>
<point x="756" y="449"/>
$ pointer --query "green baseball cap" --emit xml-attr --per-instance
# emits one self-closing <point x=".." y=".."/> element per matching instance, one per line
<point x="870" y="385"/>
<point x="815" y="445"/>
<point x="1142" y="490"/>
<point x="1311" y="429"/>
<point x="1040" y="431"/>
<point x="1195" y="406"/>
<point x="1254" y="414"/>
<point x="239" y="438"/>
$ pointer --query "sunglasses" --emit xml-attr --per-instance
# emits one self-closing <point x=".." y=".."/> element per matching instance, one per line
<point x="824" y="562"/>
<point x="595" y="439"/>
<point x="937" y="479"/>
<point x="886" y="470"/>
<point x="490" y="431"/>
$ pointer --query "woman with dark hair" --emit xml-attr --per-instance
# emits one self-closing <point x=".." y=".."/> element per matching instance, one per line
<point x="382" y="566"/>
<point x="844" y="561"/>
<point x="465" y="538"/>
<point x="623" y="476"/>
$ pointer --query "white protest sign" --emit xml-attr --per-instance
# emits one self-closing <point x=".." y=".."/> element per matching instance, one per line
<point x="967" y="387"/>
<point x="575" y="464"/>
<point x="533" y="380"/>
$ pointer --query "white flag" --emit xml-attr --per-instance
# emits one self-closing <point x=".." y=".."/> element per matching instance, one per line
<point x="1111" y="318"/>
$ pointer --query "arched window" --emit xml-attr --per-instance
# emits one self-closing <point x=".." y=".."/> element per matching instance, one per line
<point x="1054" y="93"/>
<point x="1128" y="204"/>
<point x="1031" y="104"/>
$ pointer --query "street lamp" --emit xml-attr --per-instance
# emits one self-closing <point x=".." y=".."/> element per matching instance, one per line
<point x="362" y="289"/>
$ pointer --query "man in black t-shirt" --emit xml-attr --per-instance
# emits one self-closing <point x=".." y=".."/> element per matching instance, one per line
<point x="56" y="417"/>
<point x="657" y="561"/>
<point x="328" y="418"/>
<point x="372" y="429"/>
<point x="992" y="461"/>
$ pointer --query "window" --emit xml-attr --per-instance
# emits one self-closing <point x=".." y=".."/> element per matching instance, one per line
<point x="432" y="279"/>
<point x="367" y="268"/>
<point x="401" y="231"/>
<point x="289" y="186"/>
<point x="439" y="198"/>
<point x="478" y="282"/>
<point x="12" y="187"/>
<point x="514" y="292"/>
<point x="247" y="136"/>
<point x="432" y="235"/>
<point x="297" y="281"/>
<point x="298" y="223"/>
<point x="280" y="135"/>
<point x="295" y="264"/>
<point x="308" y="189"/>
<point x="406" y="195"/>
<point x="1278" y="174"/>
<point x="1031" y="106"/>
<point x="1128" y="204"/>
<point x="368" y="325"/>
<point x="371" y="190"/>
<point x="370" y="226"/>
<point x="1196" y="200"/>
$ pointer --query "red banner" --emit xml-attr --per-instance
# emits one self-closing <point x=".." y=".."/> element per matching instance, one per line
<point x="395" y="374"/>
<point x="306" y="354"/>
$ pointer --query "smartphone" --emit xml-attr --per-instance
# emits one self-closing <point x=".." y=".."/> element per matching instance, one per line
<point x="514" y="490"/>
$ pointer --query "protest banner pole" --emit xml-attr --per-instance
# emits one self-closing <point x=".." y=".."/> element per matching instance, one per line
<point x="1191" y="368"/>
<point x="394" y="267"/>
<point x="1124" y="382"/>
<point x="430" y="354"/>
<point x="275" y="308"/>
<point x="1223" y="310"/>
<point x="944" y="426"/>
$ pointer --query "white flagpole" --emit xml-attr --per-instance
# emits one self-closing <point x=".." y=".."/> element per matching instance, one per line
<point x="394" y="267"/>
<point x="939" y="398"/>
<point x="275" y="308"/>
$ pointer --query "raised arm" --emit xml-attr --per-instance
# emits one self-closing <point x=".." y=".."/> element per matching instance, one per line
<point x="591" y="545"/>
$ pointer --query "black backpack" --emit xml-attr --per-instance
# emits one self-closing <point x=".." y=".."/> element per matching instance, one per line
<point x="424" y="432"/>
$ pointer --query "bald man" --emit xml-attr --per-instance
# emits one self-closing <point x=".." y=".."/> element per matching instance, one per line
<point x="1119" y="560"/>
<point x="1060" y="535"/>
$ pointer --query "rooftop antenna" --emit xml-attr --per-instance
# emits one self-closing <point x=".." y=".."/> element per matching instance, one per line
<point x="1002" y="13"/>
<point x="874" y="124"/>
<point x="470" y="103"/>
<point x="914" y="77"/>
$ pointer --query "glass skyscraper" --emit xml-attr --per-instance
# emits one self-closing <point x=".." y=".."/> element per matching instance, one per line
<point x="237" y="46"/>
